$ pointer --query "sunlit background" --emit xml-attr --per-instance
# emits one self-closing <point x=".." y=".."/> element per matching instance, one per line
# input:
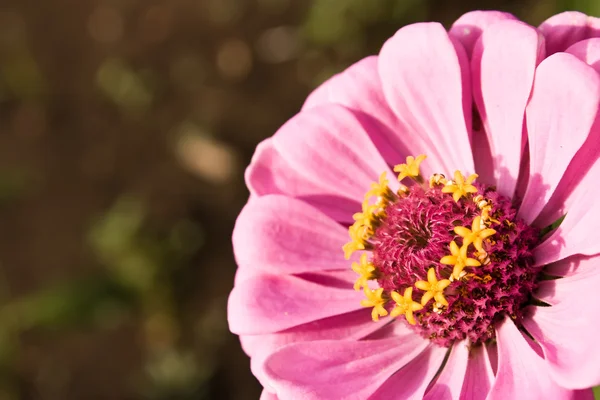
<point x="125" y="127"/>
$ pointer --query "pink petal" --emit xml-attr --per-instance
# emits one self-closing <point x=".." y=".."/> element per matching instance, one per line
<point x="566" y="267"/>
<point x="568" y="330"/>
<point x="265" y="395"/>
<point x="245" y="273"/>
<point x="479" y="376"/>
<point x="469" y="27"/>
<point x="271" y="303"/>
<point x="587" y="51"/>
<point x="584" y="394"/>
<point x="329" y="145"/>
<point x="565" y="29"/>
<point x="503" y="66"/>
<point x="270" y="173"/>
<point x="576" y="233"/>
<point x="574" y="268"/>
<point x="354" y="325"/>
<point x="280" y="234"/>
<point x="425" y="79"/>
<point x="336" y="369"/>
<point x="359" y="88"/>
<point x="395" y="329"/>
<point x="523" y="178"/>
<point x="482" y="157"/>
<point x="559" y="117"/>
<point x="412" y="380"/>
<point x="450" y="381"/>
<point x="521" y="371"/>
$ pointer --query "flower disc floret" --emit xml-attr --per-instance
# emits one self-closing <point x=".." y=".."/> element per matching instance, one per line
<point x="414" y="247"/>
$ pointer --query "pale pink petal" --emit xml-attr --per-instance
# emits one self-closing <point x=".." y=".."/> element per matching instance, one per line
<point x="280" y="234"/>
<point x="576" y="233"/>
<point x="412" y="380"/>
<point x="521" y="370"/>
<point x="241" y="274"/>
<point x="479" y="376"/>
<point x="270" y="173"/>
<point x="265" y="395"/>
<point x="271" y="303"/>
<point x="425" y="80"/>
<point x="565" y="29"/>
<point x="469" y="27"/>
<point x="587" y="51"/>
<point x="568" y="266"/>
<point x="340" y="368"/>
<point x="568" y="330"/>
<point x="359" y="88"/>
<point x="330" y="145"/>
<point x="503" y="67"/>
<point x="574" y="268"/>
<point x="559" y="116"/>
<point x="449" y="383"/>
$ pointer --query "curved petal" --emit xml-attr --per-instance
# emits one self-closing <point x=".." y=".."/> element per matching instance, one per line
<point x="354" y="325"/>
<point x="449" y="383"/>
<point x="469" y="27"/>
<point x="574" y="268"/>
<point x="587" y="51"/>
<point x="479" y="376"/>
<point x="425" y="80"/>
<point x="521" y="370"/>
<point x="359" y="88"/>
<point x="559" y="116"/>
<point x="576" y="234"/>
<point x="566" y="267"/>
<point x="269" y="173"/>
<point x="271" y="303"/>
<point x="280" y="234"/>
<point x="265" y="395"/>
<point x="503" y="67"/>
<point x="330" y="145"/>
<point x="339" y="369"/>
<point x="568" y="330"/>
<point x="412" y="380"/>
<point x="565" y="29"/>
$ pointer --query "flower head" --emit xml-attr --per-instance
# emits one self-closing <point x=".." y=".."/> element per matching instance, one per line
<point x="457" y="260"/>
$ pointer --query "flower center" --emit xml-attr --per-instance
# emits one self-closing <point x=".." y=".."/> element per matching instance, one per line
<point x="450" y="255"/>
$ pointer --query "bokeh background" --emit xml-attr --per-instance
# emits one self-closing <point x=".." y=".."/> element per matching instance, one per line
<point x="125" y="127"/>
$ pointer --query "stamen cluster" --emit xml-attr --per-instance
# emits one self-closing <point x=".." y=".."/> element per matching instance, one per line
<point x="450" y="256"/>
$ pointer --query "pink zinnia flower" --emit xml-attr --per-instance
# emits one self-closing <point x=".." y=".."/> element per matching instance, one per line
<point x="464" y="280"/>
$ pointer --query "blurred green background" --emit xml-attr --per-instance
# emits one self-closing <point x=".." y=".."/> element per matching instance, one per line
<point x="125" y="127"/>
